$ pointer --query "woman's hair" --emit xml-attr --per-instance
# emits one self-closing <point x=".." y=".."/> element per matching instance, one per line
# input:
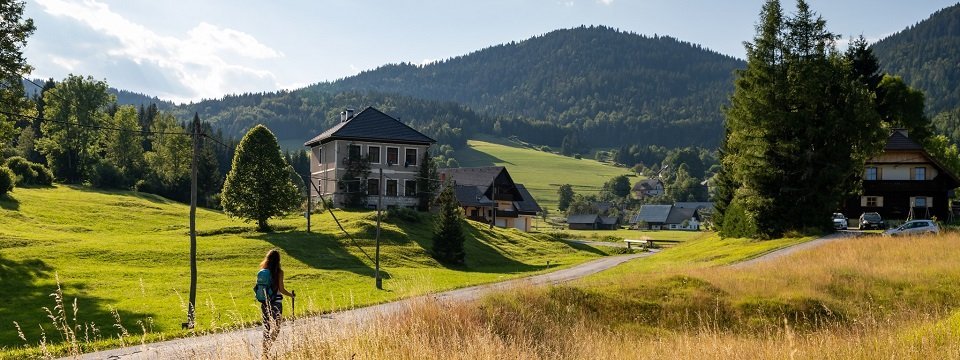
<point x="272" y="262"/>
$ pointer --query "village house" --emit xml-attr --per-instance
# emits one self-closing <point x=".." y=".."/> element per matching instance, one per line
<point x="385" y="142"/>
<point x="904" y="182"/>
<point x="667" y="217"/>
<point x="592" y="222"/>
<point x="489" y="195"/>
<point x="648" y="188"/>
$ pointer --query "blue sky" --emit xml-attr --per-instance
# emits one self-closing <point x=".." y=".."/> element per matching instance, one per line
<point x="188" y="50"/>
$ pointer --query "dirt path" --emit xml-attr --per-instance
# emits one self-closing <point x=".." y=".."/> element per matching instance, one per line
<point x="208" y="346"/>
<point x="799" y="247"/>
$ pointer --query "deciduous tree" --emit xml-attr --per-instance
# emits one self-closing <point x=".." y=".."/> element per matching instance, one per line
<point x="258" y="185"/>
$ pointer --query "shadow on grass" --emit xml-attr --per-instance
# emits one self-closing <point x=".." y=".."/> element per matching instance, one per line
<point x="482" y="255"/>
<point x="585" y="247"/>
<point x="8" y="202"/>
<point x="25" y="299"/>
<point x="319" y="251"/>
<point x="469" y="156"/>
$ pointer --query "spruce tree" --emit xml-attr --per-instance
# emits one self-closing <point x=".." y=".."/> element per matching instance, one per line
<point x="448" y="235"/>
<point x="799" y="127"/>
<point x="14" y="31"/>
<point x="427" y="181"/>
<point x="258" y="186"/>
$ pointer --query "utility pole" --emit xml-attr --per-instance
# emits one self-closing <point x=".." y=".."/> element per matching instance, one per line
<point x="191" y="307"/>
<point x="376" y="271"/>
<point x="494" y="221"/>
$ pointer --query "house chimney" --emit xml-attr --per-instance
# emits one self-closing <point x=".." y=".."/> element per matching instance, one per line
<point x="346" y="115"/>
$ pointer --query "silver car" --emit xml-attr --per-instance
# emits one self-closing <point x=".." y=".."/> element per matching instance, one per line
<point x="914" y="227"/>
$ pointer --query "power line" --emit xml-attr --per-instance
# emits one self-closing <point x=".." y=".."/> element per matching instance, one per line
<point x="91" y="126"/>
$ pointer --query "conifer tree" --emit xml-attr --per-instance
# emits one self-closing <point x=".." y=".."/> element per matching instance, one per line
<point x="14" y="31"/>
<point x="258" y="186"/>
<point x="448" y="235"/>
<point x="427" y="181"/>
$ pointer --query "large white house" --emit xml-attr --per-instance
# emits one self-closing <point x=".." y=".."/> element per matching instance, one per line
<point x="386" y="142"/>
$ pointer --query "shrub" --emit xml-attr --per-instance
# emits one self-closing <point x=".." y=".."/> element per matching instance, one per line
<point x="106" y="176"/>
<point x="403" y="214"/>
<point x="7" y="180"/>
<point x="44" y="175"/>
<point x="21" y="169"/>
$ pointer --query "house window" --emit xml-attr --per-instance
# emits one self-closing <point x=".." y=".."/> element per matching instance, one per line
<point x="920" y="173"/>
<point x="920" y="202"/>
<point x="872" y="201"/>
<point x="410" y="188"/>
<point x="354" y="152"/>
<point x="373" y="153"/>
<point x="411" y="157"/>
<point x="871" y="174"/>
<point x="373" y="186"/>
<point x="319" y="156"/>
<point x="393" y="156"/>
<point x="391" y="187"/>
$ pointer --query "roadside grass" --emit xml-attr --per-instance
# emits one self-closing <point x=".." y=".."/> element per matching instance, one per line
<point x="540" y="172"/>
<point x="862" y="298"/>
<point x="122" y="260"/>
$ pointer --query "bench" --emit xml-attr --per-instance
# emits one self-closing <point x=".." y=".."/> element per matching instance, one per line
<point x="644" y="243"/>
<point x="648" y="242"/>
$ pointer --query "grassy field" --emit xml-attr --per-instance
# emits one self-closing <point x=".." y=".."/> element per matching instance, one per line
<point x="863" y="298"/>
<point x="540" y="172"/>
<point x="124" y="255"/>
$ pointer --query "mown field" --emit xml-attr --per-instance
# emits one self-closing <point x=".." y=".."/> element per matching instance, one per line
<point x="540" y="172"/>
<point x="123" y="257"/>
<point x="620" y="234"/>
<point x="862" y="298"/>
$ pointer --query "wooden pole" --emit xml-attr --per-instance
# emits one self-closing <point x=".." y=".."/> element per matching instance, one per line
<point x="191" y="307"/>
<point x="379" y="207"/>
<point x="309" y="201"/>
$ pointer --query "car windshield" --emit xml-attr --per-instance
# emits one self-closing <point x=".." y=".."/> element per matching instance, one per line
<point x="839" y="216"/>
<point x="871" y="217"/>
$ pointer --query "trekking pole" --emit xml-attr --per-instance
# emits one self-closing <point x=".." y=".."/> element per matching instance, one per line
<point x="293" y="305"/>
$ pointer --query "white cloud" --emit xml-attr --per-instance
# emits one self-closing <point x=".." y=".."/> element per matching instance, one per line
<point x="605" y="2"/>
<point x="69" y="64"/>
<point x="206" y="62"/>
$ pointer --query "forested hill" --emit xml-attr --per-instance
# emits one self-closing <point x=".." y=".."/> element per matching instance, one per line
<point x="588" y="87"/>
<point x="927" y="56"/>
<point x="610" y="85"/>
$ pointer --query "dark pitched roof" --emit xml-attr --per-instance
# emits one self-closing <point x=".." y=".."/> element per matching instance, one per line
<point x="583" y="219"/>
<point x="528" y="204"/>
<point x="609" y="220"/>
<point x="372" y="125"/>
<point x="473" y="176"/>
<point x="678" y="215"/>
<point x="899" y="141"/>
<point x="471" y="196"/>
<point x="694" y="205"/>
<point x="653" y="213"/>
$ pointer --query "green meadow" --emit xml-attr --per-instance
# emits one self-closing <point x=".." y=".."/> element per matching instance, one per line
<point x="123" y="257"/>
<point x="540" y="172"/>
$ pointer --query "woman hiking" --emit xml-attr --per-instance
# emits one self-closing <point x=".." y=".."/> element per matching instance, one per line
<point x="269" y="291"/>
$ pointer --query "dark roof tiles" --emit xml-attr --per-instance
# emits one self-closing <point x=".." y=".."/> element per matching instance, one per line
<point x="372" y="125"/>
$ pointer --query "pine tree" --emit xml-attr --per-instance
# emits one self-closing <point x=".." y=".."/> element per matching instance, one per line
<point x="565" y="193"/>
<point x="427" y="181"/>
<point x="448" y="235"/>
<point x="258" y="186"/>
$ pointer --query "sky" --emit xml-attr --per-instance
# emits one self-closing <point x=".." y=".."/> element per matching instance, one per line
<point x="187" y="50"/>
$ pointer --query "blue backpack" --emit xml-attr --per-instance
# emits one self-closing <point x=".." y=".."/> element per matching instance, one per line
<point x="263" y="289"/>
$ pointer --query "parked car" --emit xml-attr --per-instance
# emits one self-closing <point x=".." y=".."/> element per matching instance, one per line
<point x="870" y="220"/>
<point x="914" y="227"/>
<point x="839" y="221"/>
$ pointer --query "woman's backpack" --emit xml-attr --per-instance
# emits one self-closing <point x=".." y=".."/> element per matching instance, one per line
<point x="263" y="290"/>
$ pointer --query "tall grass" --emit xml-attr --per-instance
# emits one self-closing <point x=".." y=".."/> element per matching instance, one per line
<point x="866" y="298"/>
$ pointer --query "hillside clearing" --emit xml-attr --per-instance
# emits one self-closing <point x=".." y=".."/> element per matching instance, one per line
<point x="127" y="252"/>
<point x="540" y="172"/>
